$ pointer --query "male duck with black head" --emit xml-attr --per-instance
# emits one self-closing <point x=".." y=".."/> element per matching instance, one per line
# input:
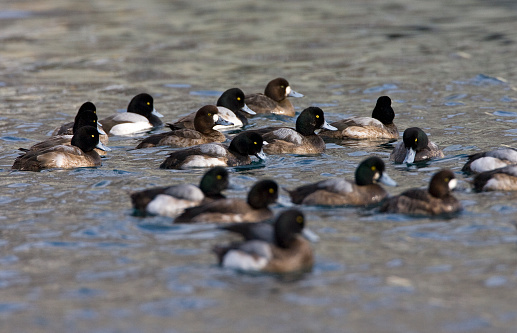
<point x="415" y="147"/>
<point x="379" y="126"/>
<point x="302" y="140"/>
<point x="232" y="210"/>
<point x="437" y="199"/>
<point x="140" y="116"/>
<point x="214" y="154"/>
<point x="274" y="99"/>
<point x="206" y="118"/>
<point x="79" y="154"/>
<point x="231" y="108"/>
<point x="68" y="128"/>
<point x="84" y="118"/>
<point x="172" y="200"/>
<point x="286" y="251"/>
<point x="337" y="192"/>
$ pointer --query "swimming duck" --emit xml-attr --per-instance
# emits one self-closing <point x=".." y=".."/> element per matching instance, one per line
<point x="288" y="252"/>
<point x="435" y="200"/>
<point x="332" y="192"/>
<point x="231" y="108"/>
<point x="303" y="140"/>
<point x="172" y="200"/>
<point x="379" y="126"/>
<point x="254" y="209"/>
<point x="140" y="116"/>
<point x="68" y="128"/>
<point x="214" y="154"/>
<point x="500" y="179"/>
<point x="79" y="154"/>
<point x="274" y="99"/>
<point x="490" y="160"/>
<point x="85" y="118"/>
<point x="206" y="118"/>
<point x="415" y="147"/>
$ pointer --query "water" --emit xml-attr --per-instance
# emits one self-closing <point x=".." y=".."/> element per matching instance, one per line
<point x="72" y="255"/>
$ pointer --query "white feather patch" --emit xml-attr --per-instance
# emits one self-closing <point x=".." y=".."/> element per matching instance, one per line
<point x="336" y="185"/>
<point x="165" y="205"/>
<point x="286" y="134"/>
<point x="214" y="149"/>
<point x="486" y="163"/>
<point x="130" y="128"/>
<point x="228" y="115"/>
<point x="199" y="161"/>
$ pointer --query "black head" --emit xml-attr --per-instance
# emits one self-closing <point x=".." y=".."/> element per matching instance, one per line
<point x="288" y="225"/>
<point x="383" y="111"/>
<point x="369" y="171"/>
<point x="311" y="119"/>
<point x="214" y="181"/>
<point x="277" y="89"/>
<point x="232" y="99"/>
<point x="263" y="193"/>
<point x="87" y="106"/>
<point x="85" y="118"/>
<point x="442" y="183"/>
<point x="86" y="138"/>
<point x="206" y="118"/>
<point x="415" y="138"/>
<point x="142" y="104"/>
<point x="247" y="143"/>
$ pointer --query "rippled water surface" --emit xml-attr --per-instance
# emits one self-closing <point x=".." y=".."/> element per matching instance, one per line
<point x="73" y="256"/>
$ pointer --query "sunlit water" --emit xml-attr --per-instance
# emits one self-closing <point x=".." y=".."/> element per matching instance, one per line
<point x="73" y="256"/>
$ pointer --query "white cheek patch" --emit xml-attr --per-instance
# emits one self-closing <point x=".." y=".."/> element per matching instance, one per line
<point x="216" y="117"/>
<point x="453" y="183"/>
<point x="288" y="90"/>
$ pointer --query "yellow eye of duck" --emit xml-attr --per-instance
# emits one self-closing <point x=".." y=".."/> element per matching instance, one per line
<point x="93" y="136"/>
<point x="373" y="168"/>
<point x="148" y="103"/>
<point x="255" y="142"/>
<point x="238" y="98"/>
<point x="219" y="177"/>
<point x="416" y="140"/>
<point x="446" y="180"/>
<point x="271" y="190"/>
<point x="94" y="121"/>
<point x="209" y="114"/>
<point x="299" y="219"/>
<point x="317" y="116"/>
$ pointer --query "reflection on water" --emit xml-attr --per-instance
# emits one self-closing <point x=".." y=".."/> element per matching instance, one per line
<point x="73" y="255"/>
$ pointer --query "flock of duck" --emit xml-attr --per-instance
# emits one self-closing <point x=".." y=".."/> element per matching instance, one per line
<point x="279" y="246"/>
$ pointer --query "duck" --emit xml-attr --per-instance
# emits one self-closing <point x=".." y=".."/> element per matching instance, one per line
<point x="206" y="118"/>
<point x="302" y="140"/>
<point x="140" y="116"/>
<point x="68" y="128"/>
<point x="364" y="191"/>
<point x="274" y="99"/>
<point x="84" y="118"/>
<point x="172" y="200"/>
<point x="215" y="154"/>
<point x="80" y="153"/>
<point x="415" y="147"/>
<point x="435" y="200"/>
<point x="233" y="210"/>
<point x="231" y="108"/>
<point x="490" y="160"/>
<point x="379" y="126"/>
<point x="500" y="179"/>
<point x="286" y="252"/>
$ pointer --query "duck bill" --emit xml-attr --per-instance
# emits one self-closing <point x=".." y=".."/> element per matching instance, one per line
<point x="410" y="156"/>
<point x="224" y="122"/>
<point x="101" y="146"/>
<point x="310" y="235"/>
<point x="156" y="113"/>
<point x="100" y="130"/>
<point x="291" y="93"/>
<point x="387" y="180"/>
<point x="261" y="155"/>
<point x="246" y="109"/>
<point x="328" y="126"/>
